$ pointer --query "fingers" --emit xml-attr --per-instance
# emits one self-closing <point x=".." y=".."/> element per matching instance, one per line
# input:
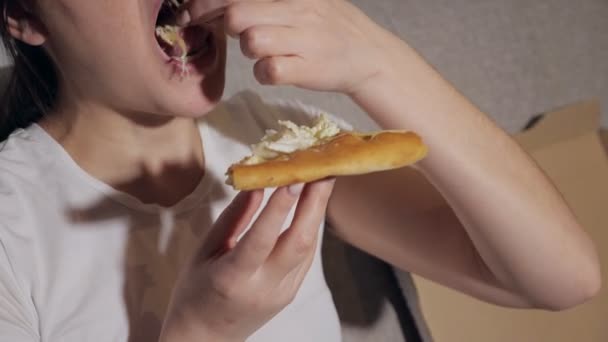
<point x="265" y="41"/>
<point x="201" y="11"/>
<point x="295" y="278"/>
<point x="255" y="246"/>
<point x="243" y="15"/>
<point x="278" y="70"/>
<point x="266" y="34"/>
<point x="233" y="220"/>
<point x="242" y="219"/>
<point x="297" y="244"/>
<point x="195" y="11"/>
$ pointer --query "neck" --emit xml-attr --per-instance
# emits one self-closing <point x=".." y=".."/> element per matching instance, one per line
<point x="157" y="159"/>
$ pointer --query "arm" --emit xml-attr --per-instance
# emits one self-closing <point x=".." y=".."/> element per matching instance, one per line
<point x="499" y="230"/>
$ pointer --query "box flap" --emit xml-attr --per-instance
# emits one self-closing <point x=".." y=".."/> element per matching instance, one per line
<point x="561" y="124"/>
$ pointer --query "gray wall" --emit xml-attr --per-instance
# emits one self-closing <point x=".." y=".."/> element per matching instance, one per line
<point x="513" y="58"/>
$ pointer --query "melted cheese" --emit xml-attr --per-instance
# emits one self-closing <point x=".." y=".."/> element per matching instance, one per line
<point x="171" y="35"/>
<point x="291" y="138"/>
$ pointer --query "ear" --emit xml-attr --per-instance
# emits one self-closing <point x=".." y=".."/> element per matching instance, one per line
<point x="26" y="28"/>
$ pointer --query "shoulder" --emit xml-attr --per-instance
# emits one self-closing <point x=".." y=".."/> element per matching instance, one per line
<point x="21" y="168"/>
<point x="22" y="182"/>
<point x="13" y="206"/>
<point x="23" y="155"/>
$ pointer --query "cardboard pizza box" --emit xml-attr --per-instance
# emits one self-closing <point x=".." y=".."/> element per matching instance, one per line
<point x="567" y="145"/>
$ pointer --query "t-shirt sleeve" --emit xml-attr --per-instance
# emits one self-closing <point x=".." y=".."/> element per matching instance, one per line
<point x="16" y="322"/>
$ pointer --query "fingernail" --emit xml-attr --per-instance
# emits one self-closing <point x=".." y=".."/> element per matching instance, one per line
<point x="183" y="18"/>
<point x="295" y="189"/>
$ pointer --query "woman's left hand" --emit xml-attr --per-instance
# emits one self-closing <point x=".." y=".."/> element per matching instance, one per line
<point x="325" y="45"/>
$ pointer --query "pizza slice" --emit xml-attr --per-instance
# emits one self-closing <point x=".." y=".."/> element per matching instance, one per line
<point x="302" y="154"/>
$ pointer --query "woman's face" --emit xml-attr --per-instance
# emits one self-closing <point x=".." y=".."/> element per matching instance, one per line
<point x="107" y="52"/>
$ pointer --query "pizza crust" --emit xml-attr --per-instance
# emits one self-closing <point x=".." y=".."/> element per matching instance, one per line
<point x="347" y="153"/>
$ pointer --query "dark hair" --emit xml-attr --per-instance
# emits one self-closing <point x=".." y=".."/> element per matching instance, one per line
<point x="32" y="85"/>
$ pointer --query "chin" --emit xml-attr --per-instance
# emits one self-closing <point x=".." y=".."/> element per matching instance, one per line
<point x="197" y="108"/>
<point x="196" y="96"/>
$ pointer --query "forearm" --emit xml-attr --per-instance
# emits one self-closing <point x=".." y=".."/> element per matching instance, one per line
<point x="520" y="225"/>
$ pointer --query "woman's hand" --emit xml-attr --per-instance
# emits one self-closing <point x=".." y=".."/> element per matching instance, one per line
<point x="233" y="288"/>
<point x="326" y="45"/>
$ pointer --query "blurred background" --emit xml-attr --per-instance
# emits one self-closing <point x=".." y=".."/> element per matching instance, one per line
<point x="512" y="58"/>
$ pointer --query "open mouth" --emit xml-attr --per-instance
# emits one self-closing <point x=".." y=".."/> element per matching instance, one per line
<point x="181" y="44"/>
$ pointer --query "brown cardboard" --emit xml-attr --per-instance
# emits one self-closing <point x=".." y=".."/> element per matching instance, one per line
<point x="567" y="146"/>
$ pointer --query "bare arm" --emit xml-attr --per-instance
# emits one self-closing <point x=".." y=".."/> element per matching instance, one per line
<point x="480" y="216"/>
<point x="499" y="230"/>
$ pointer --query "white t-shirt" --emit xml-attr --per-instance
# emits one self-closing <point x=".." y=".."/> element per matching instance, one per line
<point x="80" y="261"/>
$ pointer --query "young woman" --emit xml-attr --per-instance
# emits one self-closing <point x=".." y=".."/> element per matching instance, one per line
<point x="115" y="224"/>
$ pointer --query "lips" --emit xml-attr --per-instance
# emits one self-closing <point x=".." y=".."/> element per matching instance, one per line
<point x="183" y="43"/>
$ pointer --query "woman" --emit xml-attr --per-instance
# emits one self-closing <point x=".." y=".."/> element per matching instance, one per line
<point x="116" y="189"/>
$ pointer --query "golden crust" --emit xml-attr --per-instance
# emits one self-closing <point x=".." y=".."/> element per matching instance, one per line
<point x="345" y="154"/>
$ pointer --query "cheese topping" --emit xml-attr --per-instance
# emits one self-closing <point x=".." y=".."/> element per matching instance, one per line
<point x="291" y="138"/>
<point x="171" y="35"/>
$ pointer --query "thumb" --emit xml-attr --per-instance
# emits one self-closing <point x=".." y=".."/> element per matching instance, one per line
<point x="231" y="223"/>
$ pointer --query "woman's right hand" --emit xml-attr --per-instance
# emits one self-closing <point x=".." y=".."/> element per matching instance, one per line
<point x="232" y="287"/>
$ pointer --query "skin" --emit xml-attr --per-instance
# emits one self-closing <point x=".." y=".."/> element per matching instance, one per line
<point x="492" y="227"/>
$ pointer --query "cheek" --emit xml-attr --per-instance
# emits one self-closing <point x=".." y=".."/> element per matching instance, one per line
<point x="99" y="61"/>
<point x="93" y="40"/>
<point x="115" y="61"/>
<point x="87" y="34"/>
